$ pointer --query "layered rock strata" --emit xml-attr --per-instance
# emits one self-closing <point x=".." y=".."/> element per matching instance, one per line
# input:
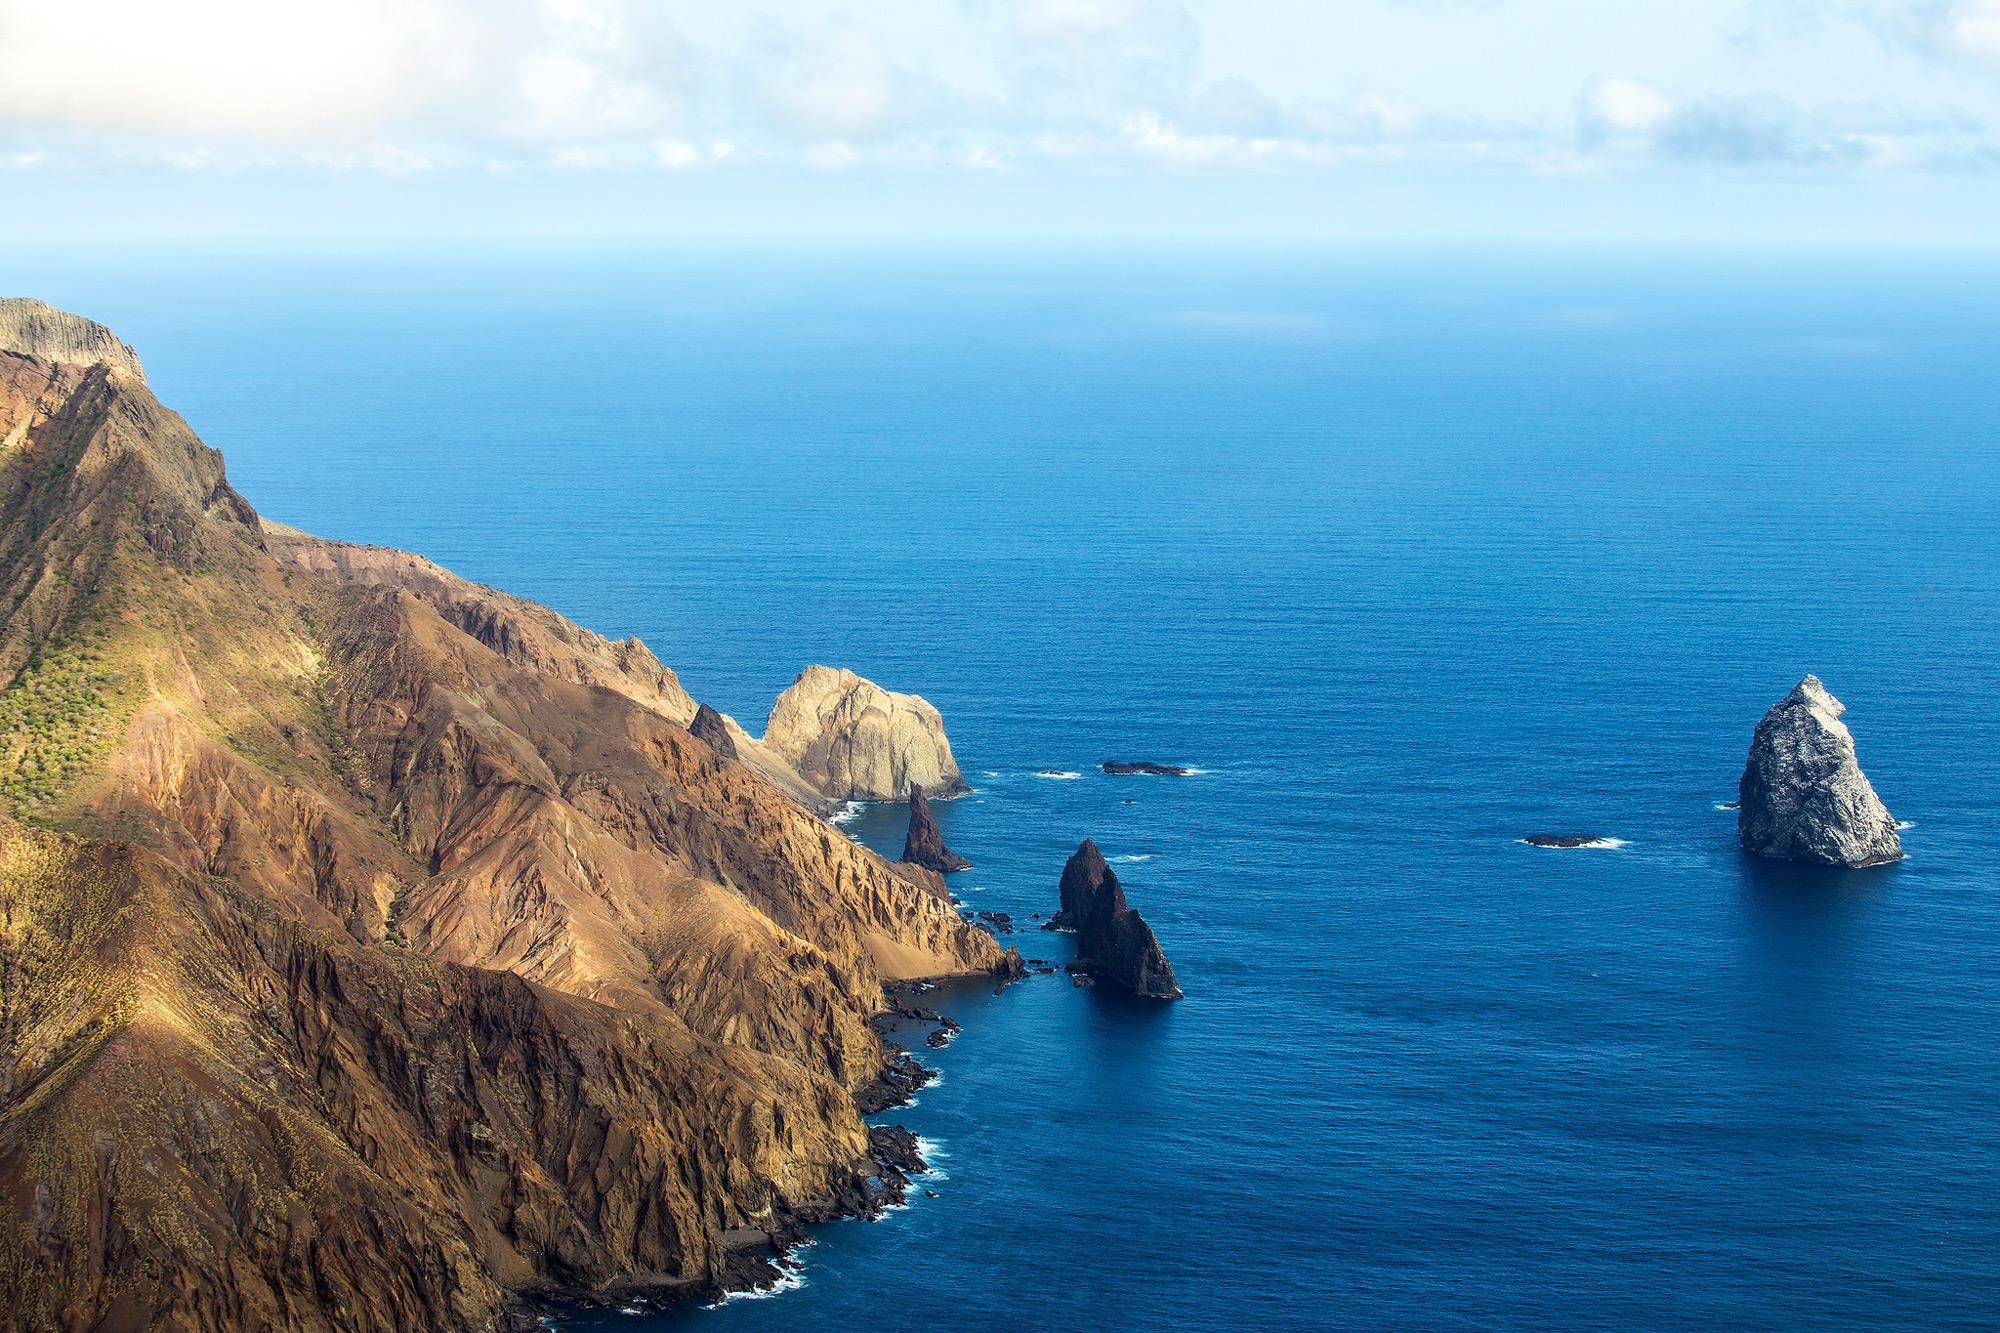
<point x="377" y="947"/>
<point x="1803" y="797"/>
<point x="924" y="844"/>
<point x="1113" y="942"/>
<point x="36" y="328"/>
<point x="852" y="740"/>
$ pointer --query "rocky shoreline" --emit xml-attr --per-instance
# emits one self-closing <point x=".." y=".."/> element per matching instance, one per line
<point x="757" y="1260"/>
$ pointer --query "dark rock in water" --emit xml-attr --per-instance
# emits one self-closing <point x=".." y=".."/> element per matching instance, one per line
<point x="709" y="728"/>
<point x="925" y="844"/>
<point x="1117" y="769"/>
<point x="1112" y="940"/>
<point x="1128" y="801"/>
<point x="1733" y="805"/>
<point x="898" y="1080"/>
<point x="1083" y="979"/>
<point x="938" y="1040"/>
<point x="1555" y="840"/>
<point x="894" y="1146"/>
<point x="1803" y="796"/>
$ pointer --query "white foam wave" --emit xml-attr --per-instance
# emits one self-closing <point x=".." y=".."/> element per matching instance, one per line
<point x="991" y="774"/>
<point x="1052" y="773"/>
<point x="1730" y="806"/>
<point x="1594" y="844"/>
<point x="932" y="1152"/>
<point x="791" y="1276"/>
<point x="846" y="813"/>
<point x="1136" y="856"/>
<point x="1902" y="824"/>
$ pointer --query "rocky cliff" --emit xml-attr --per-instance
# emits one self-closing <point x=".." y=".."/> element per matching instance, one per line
<point x="852" y="740"/>
<point x="1112" y="940"/>
<point x="36" y="328"/>
<point x="376" y="947"/>
<point x="924" y="844"/>
<point x="1803" y="797"/>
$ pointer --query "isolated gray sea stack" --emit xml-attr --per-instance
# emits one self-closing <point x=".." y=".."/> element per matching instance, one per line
<point x="1803" y="796"/>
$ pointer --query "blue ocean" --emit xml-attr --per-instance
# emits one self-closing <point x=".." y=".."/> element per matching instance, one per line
<point x="1410" y="553"/>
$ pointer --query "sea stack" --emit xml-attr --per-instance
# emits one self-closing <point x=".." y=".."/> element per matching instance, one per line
<point x="708" y="726"/>
<point x="925" y="844"/>
<point x="1112" y="941"/>
<point x="1803" y="796"/>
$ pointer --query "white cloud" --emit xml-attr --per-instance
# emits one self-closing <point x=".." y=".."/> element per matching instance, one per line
<point x="1570" y="86"/>
<point x="1625" y="106"/>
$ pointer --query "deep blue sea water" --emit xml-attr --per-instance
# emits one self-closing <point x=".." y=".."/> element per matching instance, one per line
<point x="1411" y="552"/>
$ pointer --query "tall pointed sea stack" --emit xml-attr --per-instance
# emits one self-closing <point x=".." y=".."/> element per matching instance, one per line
<point x="1803" y="796"/>
<point x="925" y="844"/>
<point x="1112" y="940"/>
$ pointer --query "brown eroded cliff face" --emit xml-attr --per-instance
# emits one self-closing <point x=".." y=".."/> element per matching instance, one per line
<point x="375" y="946"/>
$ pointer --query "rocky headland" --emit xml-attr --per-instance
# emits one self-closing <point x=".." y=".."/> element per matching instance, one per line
<point x="1113" y="942"/>
<point x="1117" y="769"/>
<point x="1803" y="797"/>
<point x="377" y="948"/>
<point x="851" y="740"/>
<point x="924" y="844"/>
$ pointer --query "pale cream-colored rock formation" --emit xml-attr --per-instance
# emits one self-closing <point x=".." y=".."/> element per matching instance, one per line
<point x="852" y="740"/>
<point x="36" y="328"/>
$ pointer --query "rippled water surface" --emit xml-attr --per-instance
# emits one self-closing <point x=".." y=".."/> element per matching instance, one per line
<point x="1413" y="554"/>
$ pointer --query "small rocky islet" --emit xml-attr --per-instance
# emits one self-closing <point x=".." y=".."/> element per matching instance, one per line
<point x="1119" y="769"/>
<point x="1803" y="797"/>
<point x="1113" y="942"/>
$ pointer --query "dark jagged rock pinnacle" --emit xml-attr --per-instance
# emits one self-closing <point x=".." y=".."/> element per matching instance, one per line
<point x="708" y="727"/>
<point x="1112" y="940"/>
<point x="925" y="845"/>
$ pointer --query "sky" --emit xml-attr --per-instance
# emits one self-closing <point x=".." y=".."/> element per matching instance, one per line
<point x="1746" y="119"/>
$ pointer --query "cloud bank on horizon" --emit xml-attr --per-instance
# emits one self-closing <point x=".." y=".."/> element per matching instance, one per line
<point x="1527" y="89"/>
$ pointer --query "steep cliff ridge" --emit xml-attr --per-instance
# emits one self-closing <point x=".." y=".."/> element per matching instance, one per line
<point x="519" y="630"/>
<point x="1112" y="940"/>
<point x="1802" y="796"/>
<point x="852" y="740"/>
<point x="36" y="328"/>
<point x="383" y="945"/>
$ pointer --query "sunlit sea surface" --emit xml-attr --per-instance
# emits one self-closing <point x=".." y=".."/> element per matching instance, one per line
<point x="1411" y="553"/>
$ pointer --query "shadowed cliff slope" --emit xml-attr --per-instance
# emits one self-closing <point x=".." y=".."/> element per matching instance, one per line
<point x="374" y="945"/>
